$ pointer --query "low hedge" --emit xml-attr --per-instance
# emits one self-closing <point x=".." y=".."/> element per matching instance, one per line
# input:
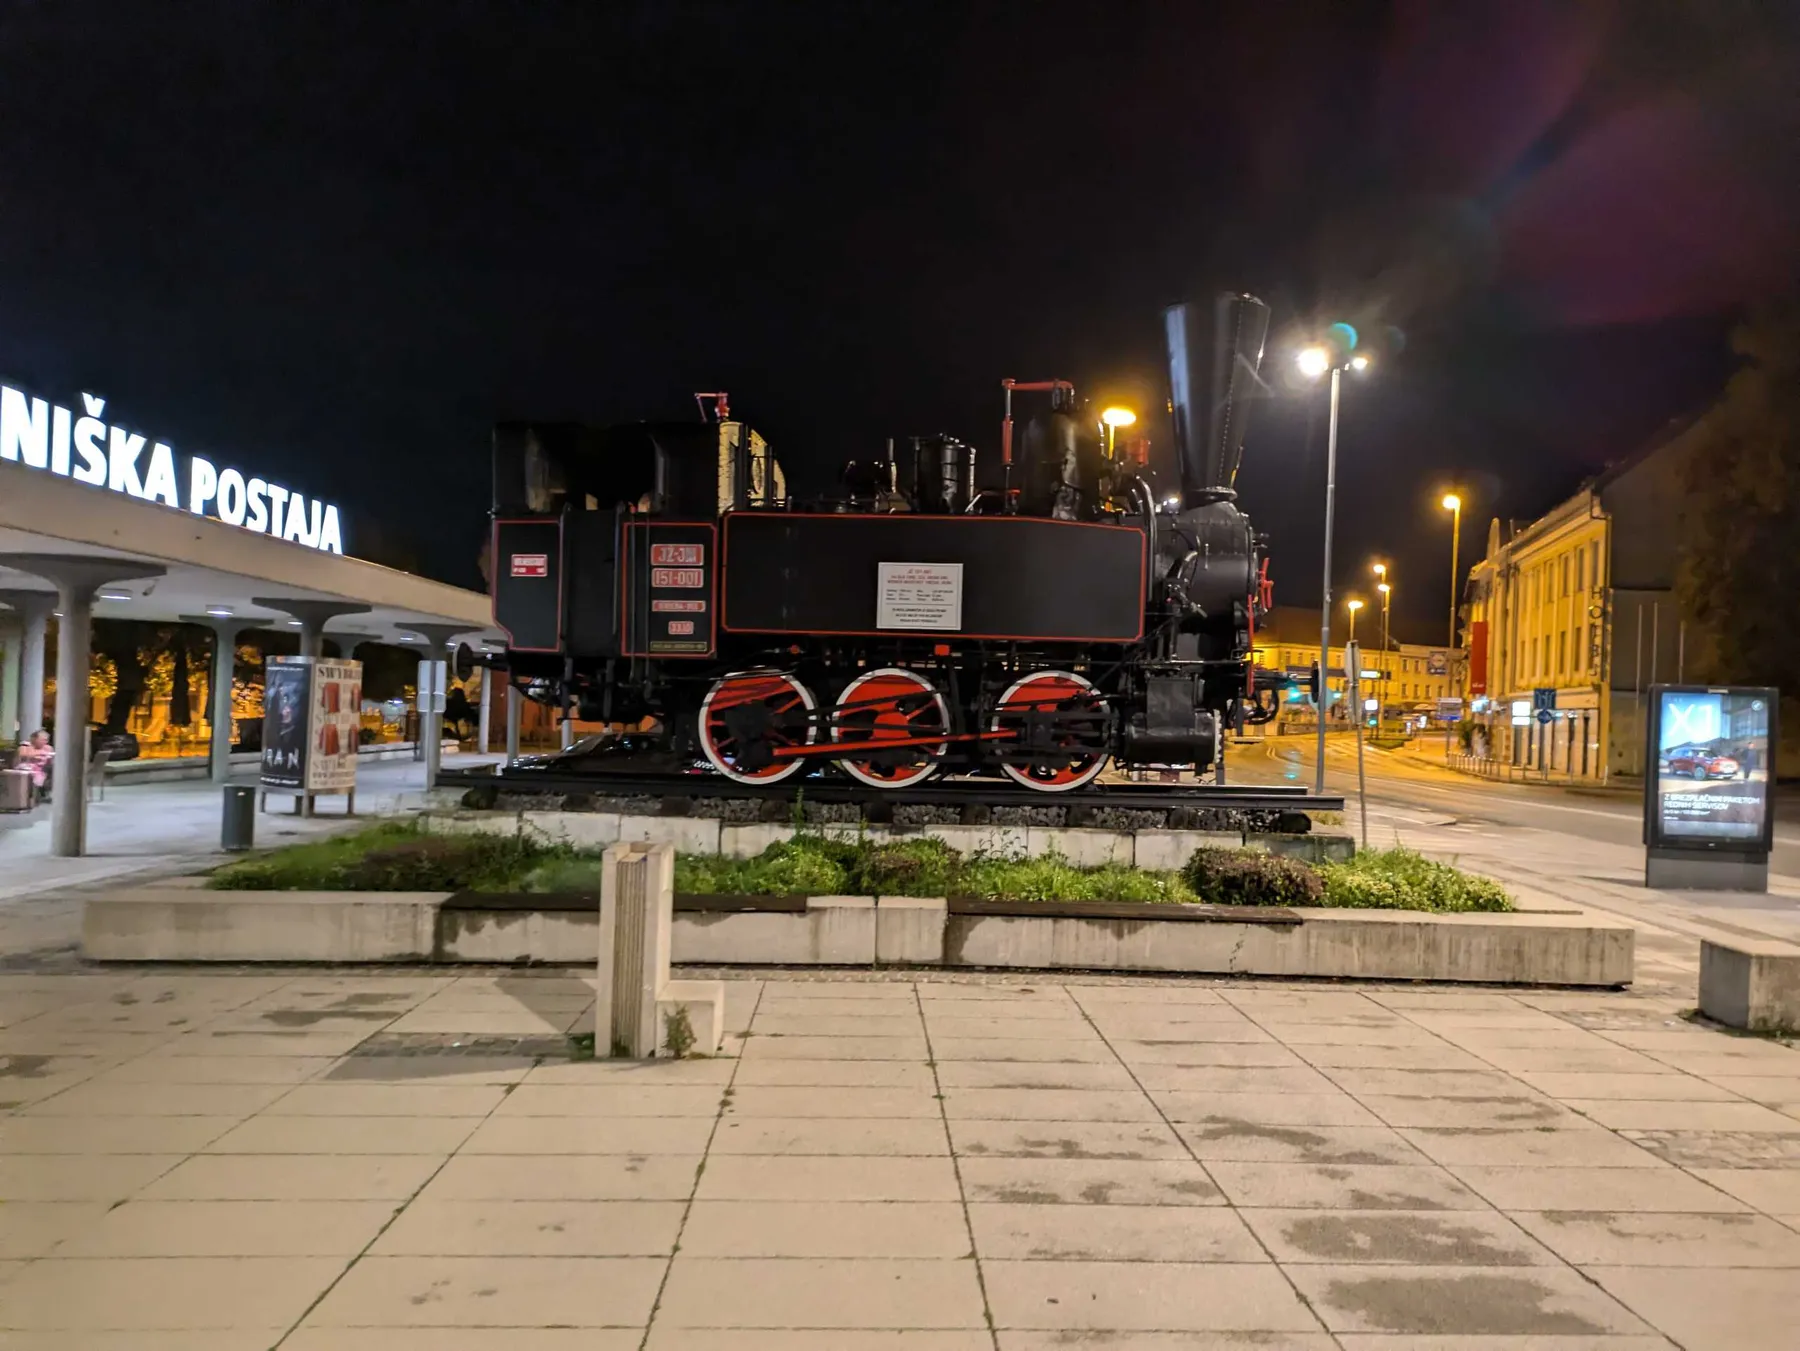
<point x="400" y="857"/>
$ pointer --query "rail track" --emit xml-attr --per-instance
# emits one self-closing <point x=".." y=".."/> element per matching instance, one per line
<point x="970" y="801"/>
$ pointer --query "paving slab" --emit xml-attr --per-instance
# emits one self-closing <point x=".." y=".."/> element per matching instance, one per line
<point x="310" y="1337"/>
<point x="300" y="1177"/>
<point x="165" y="1293"/>
<point x="832" y="1074"/>
<point x="1710" y="1309"/>
<point x="772" y="1229"/>
<point x="1249" y="1141"/>
<point x="1087" y="1182"/>
<point x="432" y="1227"/>
<point x="810" y="1293"/>
<point x="1341" y="1187"/>
<point x="1649" y="1190"/>
<point x="504" y="1292"/>
<point x="1047" y="1104"/>
<point x="1147" y="1296"/>
<point x="759" y="1177"/>
<point x="1066" y="1140"/>
<point x="1112" y="1234"/>
<point x="148" y="1228"/>
<point x="590" y="1135"/>
<point x="1465" y="1301"/>
<point x="1476" y="1238"/>
<point x="1603" y="1238"/>
<point x="832" y="1102"/>
<point x="800" y="1136"/>
<point x="663" y="1338"/>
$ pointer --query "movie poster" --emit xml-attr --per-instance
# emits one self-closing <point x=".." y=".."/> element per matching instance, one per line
<point x="1713" y="765"/>
<point x="336" y="722"/>
<point x="287" y="690"/>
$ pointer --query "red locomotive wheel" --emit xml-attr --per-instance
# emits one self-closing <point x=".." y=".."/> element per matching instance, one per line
<point x="1049" y="692"/>
<point x="891" y="705"/>
<point x="747" y="716"/>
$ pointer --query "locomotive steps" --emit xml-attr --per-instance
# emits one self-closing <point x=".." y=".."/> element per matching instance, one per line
<point x="1543" y="942"/>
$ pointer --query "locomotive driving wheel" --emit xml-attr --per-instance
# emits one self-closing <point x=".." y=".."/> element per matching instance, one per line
<point x="747" y="716"/>
<point x="1058" y="739"/>
<point x="889" y="717"/>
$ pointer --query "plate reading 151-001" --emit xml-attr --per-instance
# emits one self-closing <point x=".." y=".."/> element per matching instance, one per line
<point x="915" y="596"/>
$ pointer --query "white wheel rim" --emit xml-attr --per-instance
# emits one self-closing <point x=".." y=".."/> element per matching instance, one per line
<point x="718" y="761"/>
<point x="1021" y="774"/>
<point x="923" y="772"/>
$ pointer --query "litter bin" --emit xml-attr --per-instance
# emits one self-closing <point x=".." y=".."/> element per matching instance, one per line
<point x="239" y="830"/>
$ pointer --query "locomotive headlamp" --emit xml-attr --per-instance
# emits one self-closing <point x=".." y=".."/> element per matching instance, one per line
<point x="1118" y="417"/>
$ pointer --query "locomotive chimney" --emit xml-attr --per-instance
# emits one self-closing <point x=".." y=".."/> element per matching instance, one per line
<point x="1209" y="436"/>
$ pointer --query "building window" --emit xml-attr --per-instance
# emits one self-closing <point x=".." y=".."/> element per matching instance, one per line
<point x="1594" y="570"/>
<point x="1562" y="651"/>
<point x="1565" y="574"/>
<point x="1580" y="571"/>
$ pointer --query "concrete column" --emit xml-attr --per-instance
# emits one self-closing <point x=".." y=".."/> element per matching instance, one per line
<point x="485" y="712"/>
<point x="515" y="707"/>
<point x="225" y="634"/>
<point x="76" y="578"/>
<point x="313" y="615"/>
<point x="11" y="636"/>
<point x="68" y="802"/>
<point x="34" y="609"/>
<point x="438" y="638"/>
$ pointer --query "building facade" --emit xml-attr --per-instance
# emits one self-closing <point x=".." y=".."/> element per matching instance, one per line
<point x="1573" y="615"/>
<point x="1409" y="682"/>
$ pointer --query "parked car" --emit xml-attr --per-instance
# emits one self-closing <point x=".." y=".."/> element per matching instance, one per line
<point x="1700" y="762"/>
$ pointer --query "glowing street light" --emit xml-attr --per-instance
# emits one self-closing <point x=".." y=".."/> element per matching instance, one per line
<point x="1115" y="418"/>
<point x="1453" y="504"/>
<point x="1353" y="605"/>
<point x="1313" y="362"/>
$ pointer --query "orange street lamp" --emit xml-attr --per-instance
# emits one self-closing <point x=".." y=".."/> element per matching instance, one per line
<point x="1453" y="504"/>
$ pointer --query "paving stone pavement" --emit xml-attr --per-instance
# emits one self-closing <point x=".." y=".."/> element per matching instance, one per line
<point x="329" y="1160"/>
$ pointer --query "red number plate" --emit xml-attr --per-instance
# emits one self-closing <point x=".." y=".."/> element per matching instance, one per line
<point x="677" y="578"/>
<point x="678" y="555"/>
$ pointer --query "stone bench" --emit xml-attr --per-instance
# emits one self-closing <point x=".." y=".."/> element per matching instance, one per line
<point x="1752" y="983"/>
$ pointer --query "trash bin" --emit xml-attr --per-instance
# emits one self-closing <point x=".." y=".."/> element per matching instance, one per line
<point x="239" y="830"/>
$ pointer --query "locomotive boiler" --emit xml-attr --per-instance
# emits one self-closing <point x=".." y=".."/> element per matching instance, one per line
<point x="1061" y="616"/>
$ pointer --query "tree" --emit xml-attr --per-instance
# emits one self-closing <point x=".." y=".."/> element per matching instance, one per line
<point x="1740" y="556"/>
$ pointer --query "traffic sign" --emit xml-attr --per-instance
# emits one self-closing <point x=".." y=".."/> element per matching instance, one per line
<point x="1542" y="700"/>
<point x="1544" y="715"/>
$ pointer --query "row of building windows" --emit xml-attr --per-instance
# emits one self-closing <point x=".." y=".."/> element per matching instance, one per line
<point x="1554" y="639"/>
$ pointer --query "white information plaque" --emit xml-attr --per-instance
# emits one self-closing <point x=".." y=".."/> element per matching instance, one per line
<point x="919" y="596"/>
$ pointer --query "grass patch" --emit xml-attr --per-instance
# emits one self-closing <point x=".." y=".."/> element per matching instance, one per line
<point x="398" y="856"/>
<point x="1399" y="879"/>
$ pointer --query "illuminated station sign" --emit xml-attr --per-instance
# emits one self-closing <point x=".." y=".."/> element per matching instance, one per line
<point x="40" y="435"/>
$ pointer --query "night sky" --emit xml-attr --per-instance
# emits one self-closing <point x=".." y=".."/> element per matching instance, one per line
<point x="333" y="243"/>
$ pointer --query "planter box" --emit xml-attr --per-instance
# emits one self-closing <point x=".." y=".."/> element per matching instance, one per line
<point x="182" y="922"/>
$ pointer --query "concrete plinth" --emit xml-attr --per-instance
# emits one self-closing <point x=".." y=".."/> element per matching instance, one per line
<point x="1751" y="983"/>
<point x="1693" y="870"/>
<point x="909" y="930"/>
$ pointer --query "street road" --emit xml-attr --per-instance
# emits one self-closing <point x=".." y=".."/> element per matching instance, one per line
<point x="1402" y="780"/>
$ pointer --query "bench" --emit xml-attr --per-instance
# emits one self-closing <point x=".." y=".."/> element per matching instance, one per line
<point x="1751" y="983"/>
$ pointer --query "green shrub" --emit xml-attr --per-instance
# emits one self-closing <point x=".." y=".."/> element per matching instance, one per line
<point x="1250" y="877"/>
<point x="922" y="867"/>
<point x="797" y="867"/>
<point x="1399" y="879"/>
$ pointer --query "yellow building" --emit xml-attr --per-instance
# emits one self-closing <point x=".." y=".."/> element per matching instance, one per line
<point x="1409" y="679"/>
<point x="1575" y="612"/>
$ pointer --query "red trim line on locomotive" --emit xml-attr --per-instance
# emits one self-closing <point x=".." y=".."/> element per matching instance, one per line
<point x="1109" y="623"/>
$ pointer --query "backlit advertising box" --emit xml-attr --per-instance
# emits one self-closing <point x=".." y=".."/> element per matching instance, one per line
<point x="312" y="713"/>
<point x="1708" y="785"/>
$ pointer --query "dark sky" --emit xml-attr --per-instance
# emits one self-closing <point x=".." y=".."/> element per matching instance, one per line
<point x="335" y="242"/>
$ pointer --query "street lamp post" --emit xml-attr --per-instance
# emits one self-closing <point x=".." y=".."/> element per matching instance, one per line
<point x="1387" y="593"/>
<point x="1453" y="505"/>
<point x="1314" y="362"/>
<point x="1353" y="605"/>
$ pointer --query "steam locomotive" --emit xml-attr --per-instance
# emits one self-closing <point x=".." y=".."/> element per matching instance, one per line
<point x="909" y="623"/>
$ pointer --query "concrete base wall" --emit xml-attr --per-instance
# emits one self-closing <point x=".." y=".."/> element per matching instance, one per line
<point x="1161" y="850"/>
<point x="175" y="923"/>
<point x="1752" y="984"/>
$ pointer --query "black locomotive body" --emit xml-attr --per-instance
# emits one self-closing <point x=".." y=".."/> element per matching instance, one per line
<point x="661" y="575"/>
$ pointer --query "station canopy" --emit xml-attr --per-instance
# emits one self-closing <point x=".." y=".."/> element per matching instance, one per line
<point x="197" y="567"/>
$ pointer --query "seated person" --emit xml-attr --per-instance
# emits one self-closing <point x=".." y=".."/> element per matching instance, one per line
<point x="37" y="756"/>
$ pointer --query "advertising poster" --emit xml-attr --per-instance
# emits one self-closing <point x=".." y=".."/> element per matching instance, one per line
<point x="287" y="691"/>
<point x="1713" y="766"/>
<point x="336" y="702"/>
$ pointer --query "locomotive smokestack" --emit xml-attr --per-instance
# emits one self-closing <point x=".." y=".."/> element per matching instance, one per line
<point x="1209" y="437"/>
